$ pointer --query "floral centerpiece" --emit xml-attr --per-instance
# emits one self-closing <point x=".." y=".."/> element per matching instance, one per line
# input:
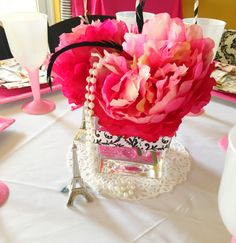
<point x="138" y="84"/>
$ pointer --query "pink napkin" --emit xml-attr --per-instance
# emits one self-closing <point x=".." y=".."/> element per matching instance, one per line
<point x="5" y="122"/>
<point x="223" y="143"/>
<point x="4" y="193"/>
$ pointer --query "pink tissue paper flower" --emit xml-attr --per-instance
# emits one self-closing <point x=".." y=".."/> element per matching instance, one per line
<point x="71" y="68"/>
<point x="145" y="91"/>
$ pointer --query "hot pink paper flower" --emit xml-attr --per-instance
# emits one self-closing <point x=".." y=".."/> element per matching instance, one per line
<point x="168" y="77"/>
<point x="71" y="68"/>
<point x="145" y="91"/>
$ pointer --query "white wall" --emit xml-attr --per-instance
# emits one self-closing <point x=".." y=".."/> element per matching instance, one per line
<point x="43" y="6"/>
<point x="7" y="6"/>
<point x="47" y="7"/>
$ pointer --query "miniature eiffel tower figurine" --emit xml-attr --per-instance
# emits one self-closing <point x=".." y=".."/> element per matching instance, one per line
<point x="74" y="191"/>
<point x="82" y="129"/>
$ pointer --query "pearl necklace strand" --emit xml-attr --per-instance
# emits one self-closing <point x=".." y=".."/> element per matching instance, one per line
<point x="124" y="190"/>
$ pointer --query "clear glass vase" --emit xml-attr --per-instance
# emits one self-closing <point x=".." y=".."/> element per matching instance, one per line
<point x="129" y="156"/>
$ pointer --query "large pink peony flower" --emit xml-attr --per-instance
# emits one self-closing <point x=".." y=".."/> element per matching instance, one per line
<point x="71" y="68"/>
<point x="145" y="91"/>
<point x="167" y="77"/>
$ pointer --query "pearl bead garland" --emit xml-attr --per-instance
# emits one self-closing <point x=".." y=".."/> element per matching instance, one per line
<point x="89" y="106"/>
<point x="124" y="189"/>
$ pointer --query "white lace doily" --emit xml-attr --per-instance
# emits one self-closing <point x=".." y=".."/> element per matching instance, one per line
<point x="175" y="169"/>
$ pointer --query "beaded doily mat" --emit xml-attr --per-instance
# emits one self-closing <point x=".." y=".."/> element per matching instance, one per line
<point x="175" y="169"/>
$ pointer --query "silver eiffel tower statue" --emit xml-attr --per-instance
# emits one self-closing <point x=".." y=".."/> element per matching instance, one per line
<point x="77" y="186"/>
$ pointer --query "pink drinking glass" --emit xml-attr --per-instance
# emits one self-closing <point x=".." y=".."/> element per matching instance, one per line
<point x="28" y="40"/>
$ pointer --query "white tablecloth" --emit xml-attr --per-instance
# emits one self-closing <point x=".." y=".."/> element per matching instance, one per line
<point x="33" y="164"/>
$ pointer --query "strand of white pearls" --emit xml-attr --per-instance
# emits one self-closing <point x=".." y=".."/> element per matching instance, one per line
<point x="124" y="190"/>
<point x="88" y="108"/>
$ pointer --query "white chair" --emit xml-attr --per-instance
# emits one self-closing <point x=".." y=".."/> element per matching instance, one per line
<point x="227" y="191"/>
